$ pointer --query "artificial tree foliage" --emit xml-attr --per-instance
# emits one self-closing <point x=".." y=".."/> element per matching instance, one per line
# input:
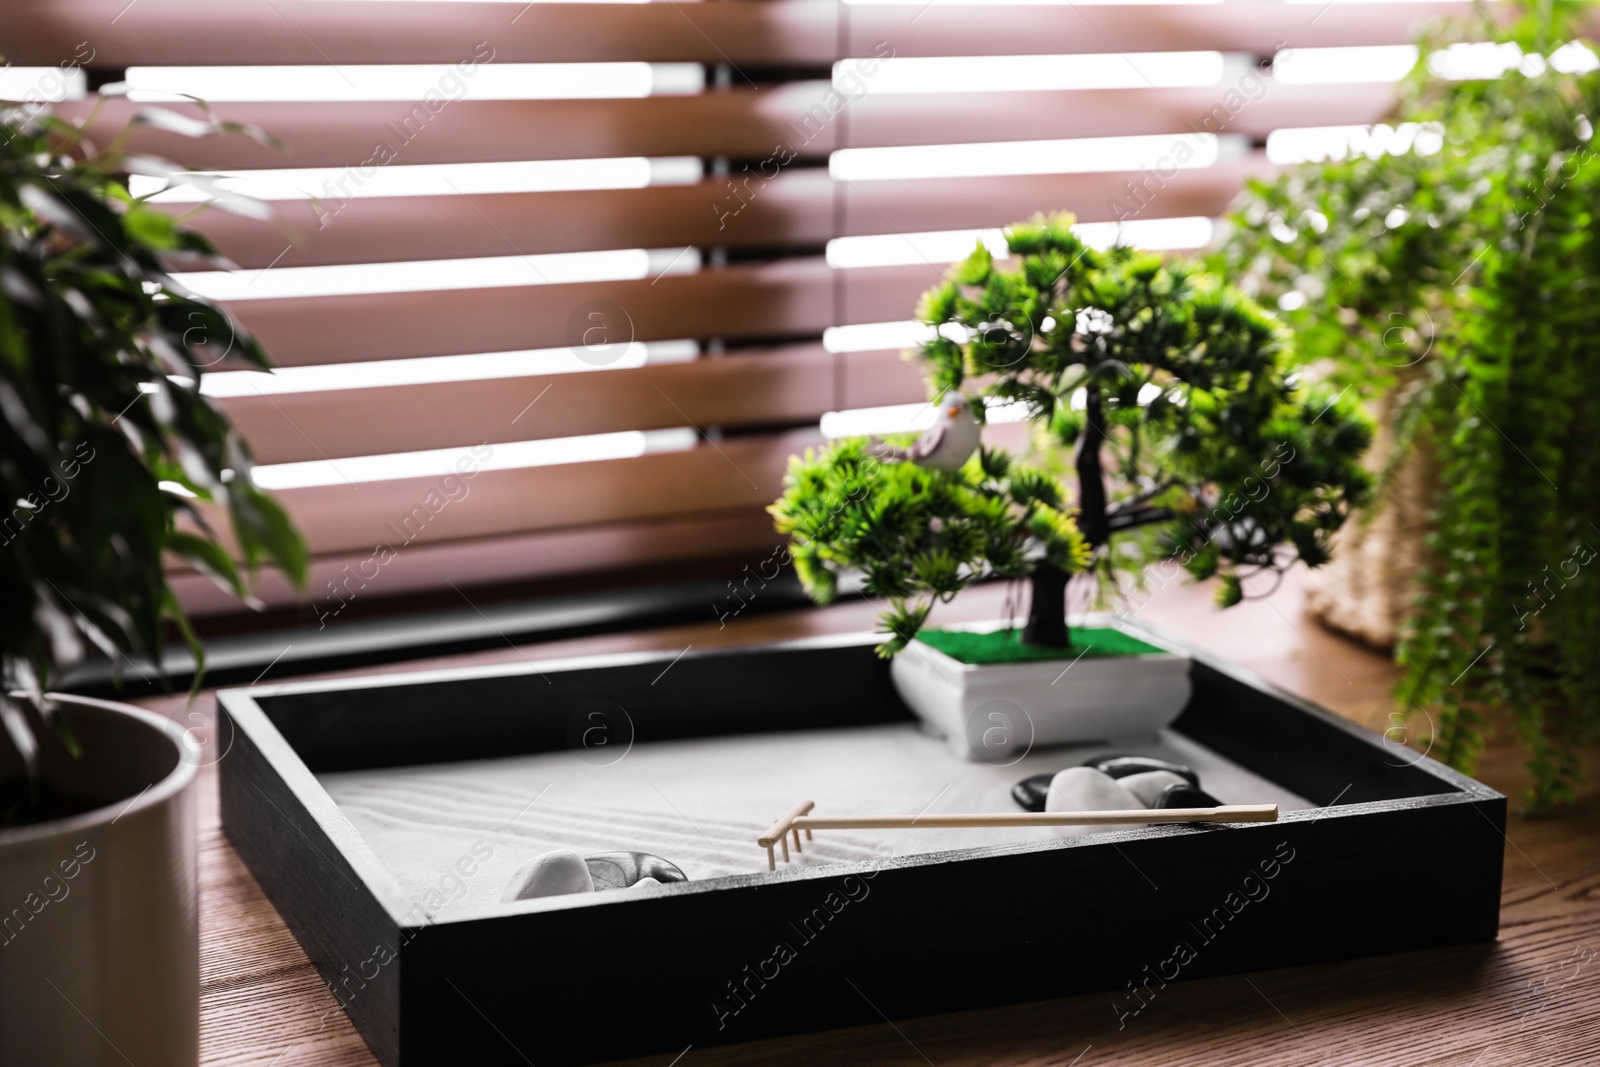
<point x="1455" y="263"/>
<point x="919" y="535"/>
<point x="1173" y="394"/>
<point x="107" y="447"/>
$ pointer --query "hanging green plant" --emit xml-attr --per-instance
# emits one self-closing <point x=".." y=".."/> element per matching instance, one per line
<point x="1457" y="259"/>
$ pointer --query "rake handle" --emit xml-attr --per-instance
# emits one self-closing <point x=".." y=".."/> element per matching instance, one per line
<point x="1224" y="813"/>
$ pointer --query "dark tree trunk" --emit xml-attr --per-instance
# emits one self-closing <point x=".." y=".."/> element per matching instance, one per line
<point x="1047" y="608"/>
<point x="1092" y="519"/>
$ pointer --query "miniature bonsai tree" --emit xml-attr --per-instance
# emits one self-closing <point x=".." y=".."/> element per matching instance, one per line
<point x="1191" y="442"/>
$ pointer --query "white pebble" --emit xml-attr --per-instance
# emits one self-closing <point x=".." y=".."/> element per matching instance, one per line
<point x="1086" y="789"/>
<point x="1149" y="785"/>
<point x="643" y="882"/>
<point x="550" y="874"/>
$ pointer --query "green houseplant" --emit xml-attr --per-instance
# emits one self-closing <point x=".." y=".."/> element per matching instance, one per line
<point x="107" y="449"/>
<point x="1452" y="280"/>
<point x="1192" y="445"/>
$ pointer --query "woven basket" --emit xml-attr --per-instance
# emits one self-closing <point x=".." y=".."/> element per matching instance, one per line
<point x="1367" y="589"/>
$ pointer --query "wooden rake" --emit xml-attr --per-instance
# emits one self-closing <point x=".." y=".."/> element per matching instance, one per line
<point x="799" y="818"/>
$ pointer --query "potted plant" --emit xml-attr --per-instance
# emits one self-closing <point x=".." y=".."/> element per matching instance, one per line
<point x="1445" y="270"/>
<point x="1193" y="448"/>
<point x="106" y="449"/>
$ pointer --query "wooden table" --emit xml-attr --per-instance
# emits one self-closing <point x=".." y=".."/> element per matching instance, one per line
<point x="1530" y="998"/>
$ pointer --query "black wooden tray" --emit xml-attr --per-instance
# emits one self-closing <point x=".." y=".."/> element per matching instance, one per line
<point x="925" y="933"/>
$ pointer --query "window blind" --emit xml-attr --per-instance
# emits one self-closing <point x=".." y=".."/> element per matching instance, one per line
<point x="568" y="298"/>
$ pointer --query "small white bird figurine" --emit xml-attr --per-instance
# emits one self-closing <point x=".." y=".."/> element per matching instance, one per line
<point x="949" y="442"/>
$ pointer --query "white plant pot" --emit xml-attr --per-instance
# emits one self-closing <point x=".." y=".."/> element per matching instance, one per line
<point x="998" y="712"/>
<point x="99" y="930"/>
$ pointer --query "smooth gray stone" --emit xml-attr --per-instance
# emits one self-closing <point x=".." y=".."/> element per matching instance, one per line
<point x="1084" y="789"/>
<point x="1121" y="766"/>
<point x="550" y="874"/>
<point x="1149" y="785"/>
<point x="1030" y="793"/>
<point x="619" y="870"/>
<point x="1186" y="796"/>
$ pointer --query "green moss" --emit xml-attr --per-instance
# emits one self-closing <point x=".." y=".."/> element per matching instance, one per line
<point x="1005" y="646"/>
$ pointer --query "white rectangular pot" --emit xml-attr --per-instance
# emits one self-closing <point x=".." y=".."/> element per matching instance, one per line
<point x="998" y="712"/>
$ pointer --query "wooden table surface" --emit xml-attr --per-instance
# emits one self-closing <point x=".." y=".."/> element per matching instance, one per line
<point x="1530" y="998"/>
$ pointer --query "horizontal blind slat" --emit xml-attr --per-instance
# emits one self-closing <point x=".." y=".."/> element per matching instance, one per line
<point x="735" y="473"/>
<point x="885" y="294"/>
<point x="793" y="210"/>
<point x="423" y="566"/>
<point x="790" y="298"/>
<point x="313" y="32"/>
<point x="1252" y="27"/>
<point x="879" y="379"/>
<point x="922" y="204"/>
<point x="755" y="32"/>
<point x="788" y="384"/>
<point x="775" y="125"/>
<point x="743" y="123"/>
<point x="1254" y="109"/>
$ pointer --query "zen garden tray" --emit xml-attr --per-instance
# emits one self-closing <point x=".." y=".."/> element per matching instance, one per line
<point x="384" y="815"/>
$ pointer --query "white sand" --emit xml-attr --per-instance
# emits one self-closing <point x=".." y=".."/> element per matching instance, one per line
<point x="701" y="803"/>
